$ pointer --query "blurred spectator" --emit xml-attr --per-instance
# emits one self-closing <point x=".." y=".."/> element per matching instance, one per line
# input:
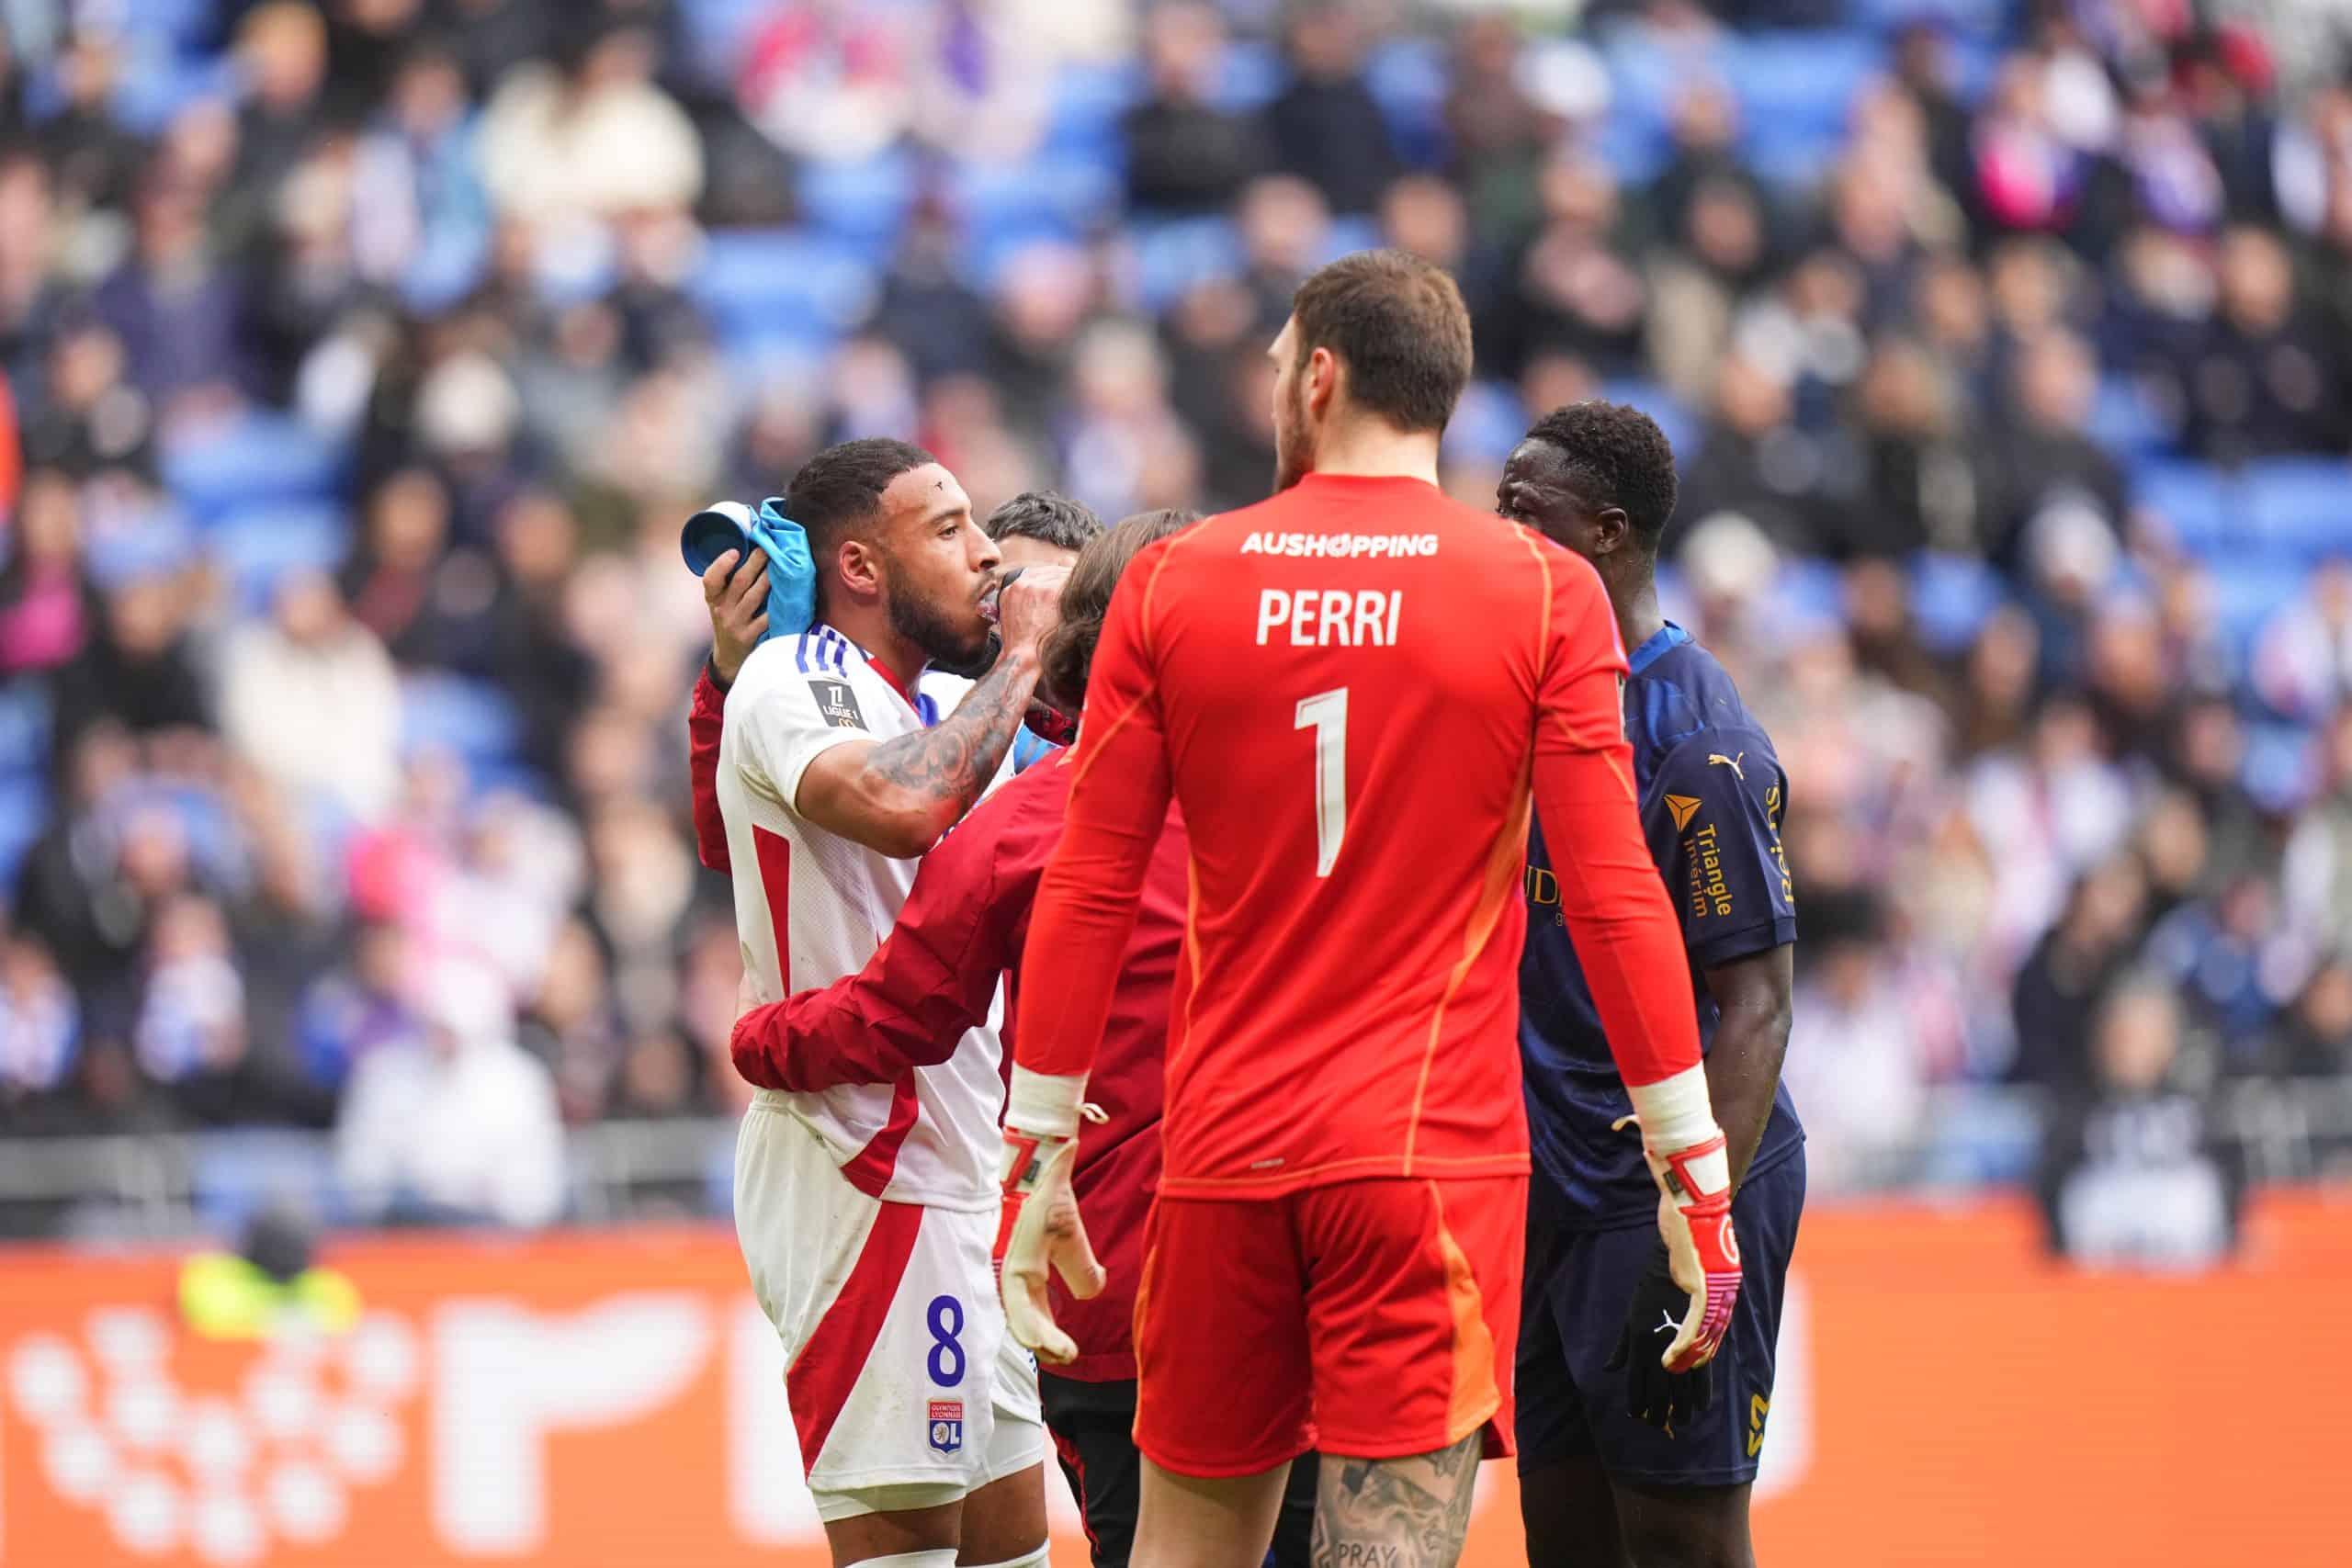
<point x="174" y="308"/>
<point x="360" y="1006"/>
<point x="310" y="699"/>
<point x="459" y="1127"/>
<point x="1325" y="126"/>
<point x="592" y="137"/>
<point x="2043" y="459"/>
<point x="2318" y="858"/>
<point x="2302" y="666"/>
<point x="1852" y="1064"/>
<point x="48" y="608"/>
<point x="282" y="49"/>
<point x="2132" y="1176"/>
<point x="1755" y="463"/>
<point x="2224" y="958"/>
<point x="139" y="668"/>
<point x="1186" y="155"/>
<point x="40" y="1028"/>
<point x="828" y="81"/>
<point x="191" y="1033"/>
<point x="2072" y="968"/>
<point x="93" y="158"/>
<point x="2316" y="1041"/>
<point x="2267" y="378"/>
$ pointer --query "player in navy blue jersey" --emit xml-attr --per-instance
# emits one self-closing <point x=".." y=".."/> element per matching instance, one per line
<point x="1619" y="1460"/>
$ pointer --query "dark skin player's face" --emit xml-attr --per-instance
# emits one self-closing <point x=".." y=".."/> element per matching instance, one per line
<point x="1537" y="488"/>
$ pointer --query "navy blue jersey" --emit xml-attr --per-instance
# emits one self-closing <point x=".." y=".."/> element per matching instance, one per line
<point x="1713" y="796"/>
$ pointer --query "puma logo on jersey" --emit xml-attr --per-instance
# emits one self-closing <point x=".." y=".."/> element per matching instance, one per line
<point x="1716" y="759"/>
<point x="1683" y="807"/>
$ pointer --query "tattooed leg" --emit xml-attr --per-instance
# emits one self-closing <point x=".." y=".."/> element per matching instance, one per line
<point x="1396" y="1513"/>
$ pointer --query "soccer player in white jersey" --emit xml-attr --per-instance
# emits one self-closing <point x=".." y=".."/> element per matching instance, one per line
<point x="867" y="1213"/>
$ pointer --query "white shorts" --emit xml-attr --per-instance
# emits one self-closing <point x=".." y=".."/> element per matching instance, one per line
<point x="906" y="1391"/>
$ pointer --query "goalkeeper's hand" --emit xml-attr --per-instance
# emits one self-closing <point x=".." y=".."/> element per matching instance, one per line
<point x="1041" y="1228"/>
<point x="1653" y="1393"/>
<point x="1693" y="1175"/>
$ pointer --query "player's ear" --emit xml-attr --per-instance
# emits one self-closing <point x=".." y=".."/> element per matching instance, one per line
<point x="1612" y="530"/>
<point x="1322" y="380"/>
<point x="860" y="565"/>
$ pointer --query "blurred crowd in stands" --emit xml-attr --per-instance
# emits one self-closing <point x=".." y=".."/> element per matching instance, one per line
<point x="363" y="357"/>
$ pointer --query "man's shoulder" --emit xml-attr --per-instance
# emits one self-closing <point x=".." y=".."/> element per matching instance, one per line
<point x="820" y="667"/>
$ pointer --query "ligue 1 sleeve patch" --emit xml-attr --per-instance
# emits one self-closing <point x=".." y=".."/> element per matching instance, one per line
<point x="946" y="1425"/>
<point x="837" y="702"/>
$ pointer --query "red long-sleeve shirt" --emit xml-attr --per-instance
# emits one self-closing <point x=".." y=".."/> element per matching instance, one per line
<point x="963" y="926"/>
<point x="705" y="722"/>
<point x="1349" y="690"/>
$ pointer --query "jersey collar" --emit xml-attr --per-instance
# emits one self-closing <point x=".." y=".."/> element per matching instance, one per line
<point x="1655" y="646"/>
<point x="919" y="701"/>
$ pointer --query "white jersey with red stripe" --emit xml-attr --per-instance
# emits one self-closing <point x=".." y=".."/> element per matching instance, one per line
<point x="811" y="907"/>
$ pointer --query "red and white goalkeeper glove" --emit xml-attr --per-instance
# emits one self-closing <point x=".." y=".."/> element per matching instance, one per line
<point x="1689" y="1160"/>
<point x="1041" y="1228"/>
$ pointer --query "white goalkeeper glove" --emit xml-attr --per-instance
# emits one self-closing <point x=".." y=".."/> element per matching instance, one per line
<point x="1041" y="1227"/>
<point x="1690" y="1161"/>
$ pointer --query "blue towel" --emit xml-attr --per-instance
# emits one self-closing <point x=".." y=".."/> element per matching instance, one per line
<point x="792" y="570"/>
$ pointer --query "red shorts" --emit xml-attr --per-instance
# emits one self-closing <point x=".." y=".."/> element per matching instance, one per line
<point x="1372" y="1319"/>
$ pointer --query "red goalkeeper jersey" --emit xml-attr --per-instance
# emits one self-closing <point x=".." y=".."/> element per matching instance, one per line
<point x="1349" y="690"/>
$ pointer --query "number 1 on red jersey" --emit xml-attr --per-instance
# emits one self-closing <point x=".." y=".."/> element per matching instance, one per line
<point x="1327" y="714"/>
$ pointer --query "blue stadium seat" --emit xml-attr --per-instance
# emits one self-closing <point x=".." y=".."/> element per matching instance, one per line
<point x="2191" y="497"/>
<point x="26" y="720"/>
<point x="253" y="460"/>
<point x="156" y="84"/>
<point x="2302" y="505"/>
<point x="1799" y="81"/>
<point x="1407" y="77"/>
<point x="1345" y="236"/>
<point x="1682" y="428"/>
<point x="23" y="811"/>
<point x="256" y="550"/>
<point x="1978" y="19"/>
<point x="2281" y="765"/>
<point x="473" y="718"/>
<point x="1174" y="254"/>
<point x="864" y="205"/>
<point x="2249" y="589"/>
<point x="238" y="1174"/>
<point x="2125" y="422"/>
<point x="718" y="34"/>
<point x="1064" y="194"/>
<point x="1952" y="597"/>
<point x="1486" y="423"/>
<point x="1250" y="75"/>
<point x="1088" y="100"/>
<point x="756" y="281"/>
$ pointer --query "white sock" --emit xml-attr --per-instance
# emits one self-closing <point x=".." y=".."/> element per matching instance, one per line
<point x="1032" y="1559"/>
<point x="940" y="1557"/>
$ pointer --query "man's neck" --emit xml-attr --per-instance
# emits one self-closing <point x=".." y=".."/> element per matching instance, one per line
<point x="1371" y="448"/>
<point x="868" y="626"/>
<point x="1635" y="599"/>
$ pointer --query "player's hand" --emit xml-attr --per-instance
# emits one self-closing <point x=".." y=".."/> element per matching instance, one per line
<point x="1042" y="1230"/>
<point x="1653" y="1321"/>
<point x="1029" y="604"/>
<point x="738" y="603"/>
<point x="1694" y="1221"/>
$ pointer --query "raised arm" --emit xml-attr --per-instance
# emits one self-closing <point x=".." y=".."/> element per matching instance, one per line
<point x="738" y="603"/>
<point x="897" y="796"/>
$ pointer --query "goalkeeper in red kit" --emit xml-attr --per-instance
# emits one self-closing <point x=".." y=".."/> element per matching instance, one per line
<point x="1349" y="690"/>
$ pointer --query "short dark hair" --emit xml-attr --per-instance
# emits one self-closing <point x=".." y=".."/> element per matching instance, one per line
<point x="1067" y="652"/>
<point x="1617" y="456"/>
<point x="1398" y="324"/>
<point x="836" y="493"/>
<point x="1047" y="516"/>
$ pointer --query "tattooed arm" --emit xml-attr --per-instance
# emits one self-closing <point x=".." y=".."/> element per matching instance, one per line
<point x="1396" y="1513"/>
<point x="897" y="796"/>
